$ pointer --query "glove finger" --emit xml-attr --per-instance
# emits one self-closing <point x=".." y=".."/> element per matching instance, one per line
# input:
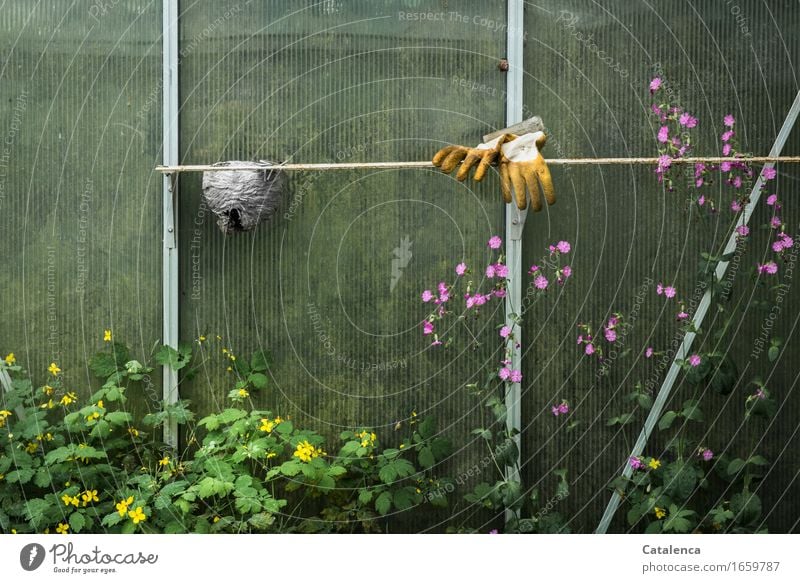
<point x="453" y="159"/>
<point x="546" y="182"/>
<point x="471" y="159"/>
<point x="439" y="156"/>
<point x="486" y="161"/>
<point x="505" y="183"/>
<point x="531" y="180"/>
<point x="519" y="186"/>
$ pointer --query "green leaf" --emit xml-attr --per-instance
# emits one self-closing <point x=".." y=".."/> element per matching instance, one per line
<point x="258" y="380"/>
<point x="758" y="460"/>
<point x="259" y="361"/>
<point x="174" y="359"/>
<point x="746" y="507"/>
<point x="21" y="476"/>
<point x="773" y="353"/>
<point x="383" y="503"/>
<point x="680" y="480"/>
<point x="43" y="477"/>
<point x="77" y="521"/>
<point x="364" y="496"/>
<point x="426" y="459"/>
<point x="403" y="499"/>
<point x="736" y="466"/>
<point x="388" y="473"/>
<point x="211" y="422"/>
<point x="666" y="420"/>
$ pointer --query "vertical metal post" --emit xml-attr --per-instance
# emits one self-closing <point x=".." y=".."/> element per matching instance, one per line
<point x="169" y="274"/>
<point x="515" y="220"/>
<point x="705" y="303"/>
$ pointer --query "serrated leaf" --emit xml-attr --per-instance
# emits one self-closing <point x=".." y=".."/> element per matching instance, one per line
<point x="76" y="521"/>
<point x="364" y="496"/>
<point x="666" y="420"/>
<point x="383" y="503"/>
<point x="258" y="380"/>
<point x="426" y="459"/>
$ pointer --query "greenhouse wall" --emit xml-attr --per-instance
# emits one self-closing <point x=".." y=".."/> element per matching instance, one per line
<point x="330" y="287"/>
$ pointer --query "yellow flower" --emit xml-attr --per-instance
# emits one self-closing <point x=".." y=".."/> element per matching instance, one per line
<point x="47" y="390"/>
<point x="2" y="476"/>
<point x="62" y="528"/>
<point x="229" y="369"/>
<point x="67" y="499"/>
<point x="89" y="496"/>
<point x="243" y="393"/>
<point x="48" y="405"/>
<point x="137" y="515"/>
<point x="216" y="519"/>
<point x="3" y="416"/>
<point x="92" y="417"/>
<point x="164" y="461"/>
<point x="122" y="505"/>
<point x="106" y="335"/>
<point x="402" y="445"/>
<point x="267" y="425"/>
<point x="68" y="399"/>
<point x="10" y="358"/>
<point x="654" y="464"/>
<point x="305" y="452"/>
<point x="270" y="455"/>
<point x="53" y="369"/>
<point x="278" y="420"/>
<point x="32" y="447"/>
<point x="201" y="339"/>
<point x="660" y="513"/>
<point x="133" y="431"/>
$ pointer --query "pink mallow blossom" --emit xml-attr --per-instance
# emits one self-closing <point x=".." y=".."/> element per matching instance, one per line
<point x="560" y="409"/>
<point x="504" y="373"/>
<point x="769" y="173"/>
<point x="540" y="281"/>
<point x="461" y="269"/>
<point x="505" y="331"/>
<point x="611" y="334"/>
<point x="772" y="199"/>
<point x="501" y="270"/>
<point x="743" y="230"/>
<point x="706" y="454"/>
<point x="427" y="296"/>
<point x="589" y="349"/>
<point x="648" y="352"/>
<point x="490" y="271"/>
<point x="695" y="360"/>
<point x="563" y="247"/>
<point x="655" y="84"/>
<point x="770" y="268"/>
<point x="729" y="120"/>
<point x="687" y="120"/>
<point x="635" y="463"/>
<point x="726" y="136"/>
<point x="663" y="134"/>
<point x="427" y="328"/>
<point x="516" y="376"/>
<point x="495" y="242"/>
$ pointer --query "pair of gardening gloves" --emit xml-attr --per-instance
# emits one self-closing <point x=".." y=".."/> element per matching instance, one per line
<point x="522" y="168"/>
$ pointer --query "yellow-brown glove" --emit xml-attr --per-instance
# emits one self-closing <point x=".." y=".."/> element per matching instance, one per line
<point x="523" y="167"/>
<point x="484" y="155"/>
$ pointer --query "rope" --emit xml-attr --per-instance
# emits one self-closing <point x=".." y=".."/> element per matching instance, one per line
<point x="425" y="164"/>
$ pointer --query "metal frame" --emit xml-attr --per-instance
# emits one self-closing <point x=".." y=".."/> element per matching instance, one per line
<point x="169" y="277"/>
<point x="702" y="309"/>
<point x="515" y="221"/>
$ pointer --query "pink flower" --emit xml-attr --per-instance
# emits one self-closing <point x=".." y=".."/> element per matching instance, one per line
<point x="669" y="291"/>
<point x="427" y="296"/>
<point x="648" y="352"/>
<point x="567" y="271"/>
<point x="681" y="315"/>
<point x="663" y="134"/>
<point x="480" y="299"/>
<point x="736" y="206"/>
<point x="500" y="293"/>
<point x="698" y="183"/>
<point x="707" y="454"/>
<point x="495" y="242"/>
<point x="540" y="282"/>
<point x="659" y="288"/>
<point x="505" y="331"/>
<point x="725" y="166"/>
<point x="533" y="269"/>
<point x="726" y="136"/>
<point x="501" y="270"/>
<point x="726" y="150"/>
<point x="737" y="181"/>
<point x="772" y="199"/>
<point x="611" y="334"/>
<point x="493" y="531"/>
<point x="442" y="287"/>
<point x="563" y="408"/>
<point x="490" y="271"/>
<point x="687" y="120"/>
<point x="655" y="84"/>
<point x="516" y="376"/>
<point x="729" y="120"/>
<point x="555" y="411"/>
<point x="563" y="247"/>
<point x="635" y="462"/>
<point x="461" y="269"/>
<point x="504" y="373"/>
<point x="743" y="230"/>
<point x="777" y="246"/>
<point x="776" y="222"/>
<point x="427" y="328"/>
<point x="695" y="360"/>
<point x="759" y="394"/>
<point x="769" y="173"/>
<point x="436" y="342"/>
<point x="664" y="162"/>
<point x="470" y="300"/>
<point x="589" y="349"/>
<point x="770" y="268"/>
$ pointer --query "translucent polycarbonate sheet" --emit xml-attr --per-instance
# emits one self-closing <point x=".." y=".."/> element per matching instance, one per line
<point x="79" y="201"/>
<point x="331" y="286"/>
<point x="588" y="67"/>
